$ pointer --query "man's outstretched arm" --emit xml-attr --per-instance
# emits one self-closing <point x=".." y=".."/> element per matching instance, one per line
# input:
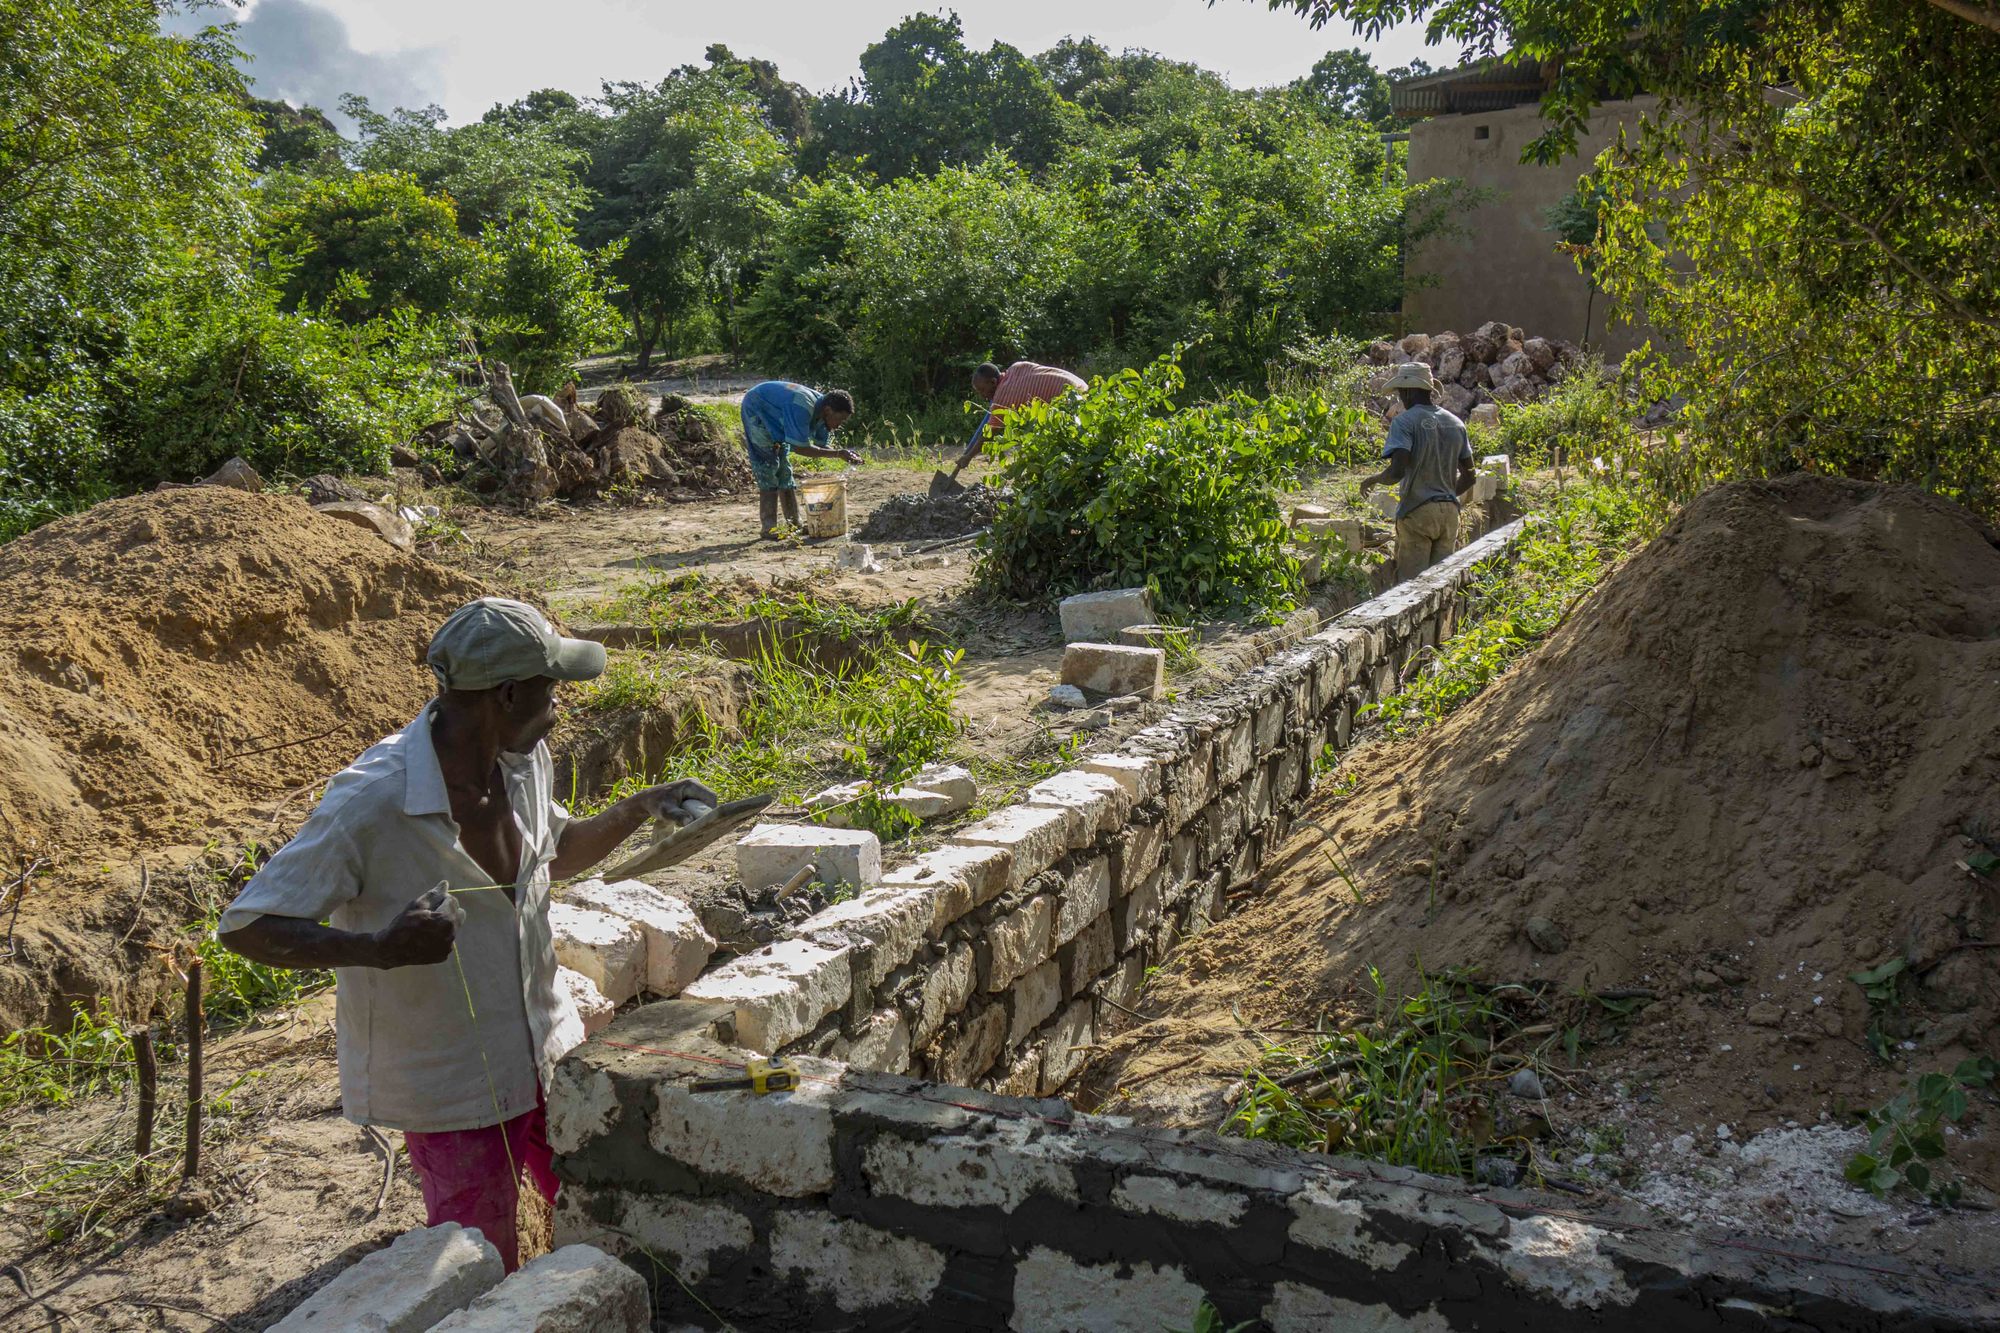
<point x="422" y="933"/>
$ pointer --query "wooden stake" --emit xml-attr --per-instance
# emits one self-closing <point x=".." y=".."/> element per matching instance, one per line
<point x="194" y="1018"/>
<point x="149" y="1089"/>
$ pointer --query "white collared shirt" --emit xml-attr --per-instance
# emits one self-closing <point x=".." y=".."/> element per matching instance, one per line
<point x="410" y="1045"/>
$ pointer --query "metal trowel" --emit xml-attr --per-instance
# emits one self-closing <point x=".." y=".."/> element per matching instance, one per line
<point x="671" y="846"/>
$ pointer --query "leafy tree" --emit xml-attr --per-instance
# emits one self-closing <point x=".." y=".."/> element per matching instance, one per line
<point x="362" y="245"/>
<point x="1349" y="86"/>
<point x="690" y="176"/>
<point x="123" y="153"/>
<point x="899" y="290"/>
<point x="493" y="169"/>
<point x="787" y="106"/>
<point x="925" y="100"/>
<point x="542" y="300"/>
<point x="298" y="138"/>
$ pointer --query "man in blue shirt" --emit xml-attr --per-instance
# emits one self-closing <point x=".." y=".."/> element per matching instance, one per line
<point x="779" y="419"/>
<point x="1431" y="455"/>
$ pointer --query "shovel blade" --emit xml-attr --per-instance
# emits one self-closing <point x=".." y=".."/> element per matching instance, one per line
<point x="943" y="483"/>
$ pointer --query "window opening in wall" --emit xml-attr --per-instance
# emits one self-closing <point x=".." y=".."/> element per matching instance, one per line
<point x="1481" y="132"/>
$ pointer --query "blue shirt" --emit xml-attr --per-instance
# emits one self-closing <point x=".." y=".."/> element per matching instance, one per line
<point x="779" y="415"/>
<point x="1437" y="446"/>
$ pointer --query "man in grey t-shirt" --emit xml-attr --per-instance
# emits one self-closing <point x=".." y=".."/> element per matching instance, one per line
<point x="1431" y="455"/>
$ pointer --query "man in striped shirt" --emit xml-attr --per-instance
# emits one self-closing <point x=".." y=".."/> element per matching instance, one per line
<point x="1022" y="382"/>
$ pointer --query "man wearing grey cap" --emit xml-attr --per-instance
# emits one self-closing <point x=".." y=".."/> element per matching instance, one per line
<point x="429" y="861"/>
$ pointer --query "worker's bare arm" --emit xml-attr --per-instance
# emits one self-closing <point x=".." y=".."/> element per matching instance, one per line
<point x="421" y="933"/>
<point x="1467" y="478"/>
<point x="1399" y="463"/>
<point x="819" y="451"/>
<point x="585" y="842"/>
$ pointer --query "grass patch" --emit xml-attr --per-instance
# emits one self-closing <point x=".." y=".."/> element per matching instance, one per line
<point x="677" y="601"/>
<point x="1582" y="416"/>
<point x="633" y="680"/>
<point x="879" y="719"/>
<point x="57" y="1066"/>
<point x="1587" y="528"/>
<point x="1420" y="1086"/>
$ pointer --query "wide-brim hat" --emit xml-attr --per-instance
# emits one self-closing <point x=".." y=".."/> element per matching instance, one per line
<point x="1413" y="375"/>
<point x="496" y="639"/>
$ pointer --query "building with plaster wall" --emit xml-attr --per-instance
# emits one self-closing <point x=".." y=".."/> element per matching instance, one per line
<point x="1501" y="262"/>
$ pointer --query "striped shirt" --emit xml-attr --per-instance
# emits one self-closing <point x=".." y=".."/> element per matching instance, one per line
<point x="1026" y="382"/>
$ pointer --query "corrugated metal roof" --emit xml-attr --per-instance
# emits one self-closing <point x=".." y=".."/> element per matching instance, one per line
<point x="1486" y="85"/>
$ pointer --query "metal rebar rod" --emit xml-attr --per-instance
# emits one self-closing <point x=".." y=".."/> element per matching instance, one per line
<point x="149" y="1089"/>
<point x="192" y="1164"/>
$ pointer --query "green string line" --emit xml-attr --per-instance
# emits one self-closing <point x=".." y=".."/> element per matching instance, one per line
<point x="492" y="1089"/>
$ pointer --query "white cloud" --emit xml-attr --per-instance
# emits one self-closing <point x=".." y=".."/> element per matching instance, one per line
<point x="301" y="52"/>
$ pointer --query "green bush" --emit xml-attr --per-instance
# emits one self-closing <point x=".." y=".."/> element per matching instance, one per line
<point x="208" y="378"/>
<point x="1127" y="487"/>
<point x="1583" y="416"/>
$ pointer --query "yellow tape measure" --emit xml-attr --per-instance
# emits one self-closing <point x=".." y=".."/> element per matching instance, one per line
<point x="760" y="1077"/>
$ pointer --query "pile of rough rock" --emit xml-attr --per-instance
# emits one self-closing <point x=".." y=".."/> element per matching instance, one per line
<point x="1495" y="363"/>
<point x="528" y="447"/>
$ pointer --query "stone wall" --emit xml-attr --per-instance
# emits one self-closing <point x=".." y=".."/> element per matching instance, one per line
<point x="868" y="1200"/>
<point x="989" y="961"/>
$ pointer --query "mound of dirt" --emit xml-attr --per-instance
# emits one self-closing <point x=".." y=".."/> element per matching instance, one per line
<point x="174" y="662"/>
<point x="1759" y="758"/>
<point x="915" y="516"/>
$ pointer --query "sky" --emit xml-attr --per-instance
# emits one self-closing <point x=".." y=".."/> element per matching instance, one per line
<point x="466" y="55"/>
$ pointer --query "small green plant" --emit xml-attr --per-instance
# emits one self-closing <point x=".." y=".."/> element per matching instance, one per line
<point x="55" y="1067"/>
<point x="1208" y="1319"/>
<point x="1906" y="1140"/>
<point x="235" y="989"/>
<point x="1580" y="417"/>
<point x="1883" y="985"/>
<point x="1416" y="1087"/>
<point x="632" y="680"/>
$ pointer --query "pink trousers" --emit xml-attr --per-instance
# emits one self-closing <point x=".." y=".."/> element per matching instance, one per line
<point x="465" y="1175"/>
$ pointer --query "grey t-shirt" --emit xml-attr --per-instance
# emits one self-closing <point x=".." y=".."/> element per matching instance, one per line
<point x="1437" y="445"/>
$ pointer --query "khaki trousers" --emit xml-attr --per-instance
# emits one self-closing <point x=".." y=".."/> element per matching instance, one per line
<point x="1425" y="536"/>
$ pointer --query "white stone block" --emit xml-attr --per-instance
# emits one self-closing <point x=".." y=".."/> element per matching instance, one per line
<point x="677" y="946"/>
<point x="1096" y="617"/>
<point x="770" y="854"/>
<point x="884" y="1044"/>
<point x="1053" y="1292"/>
<point x="1111" y="668"/>
<point x="1086" y="895"/>
<point x="1101" y="800"/>
<point x="859" y="1267"/>
<point x="951" y="781"/>
<point x="946" y="988"/>
<point x="1139" y="775"/>
<point x="780" y="992"/>
<point x="1074" y="1029"/>
<point x="1297" y="1308"/>
<point x="1002" y="1170"/>
<point x="1032" y="1000"/>
<point x="884" y="926"/>
<point x="1035" y="837"/>
<point x="1498" y="465"/>
<point x="830" y="807"/>
<point x="577" y="1289"/>
<point x="962" y="878"/>
<point x="422" y="1276"/>
<point x="779" y="1143"/>
<point x="1303" y="513"/>
<point x="688" y="1233"/>
<point x="1166" y="1197"/>
<point x="608" y="950"/>
<point x="591" y="1006"/>
<point x="1018" y="942"/>
<point x="1386" y="501"/>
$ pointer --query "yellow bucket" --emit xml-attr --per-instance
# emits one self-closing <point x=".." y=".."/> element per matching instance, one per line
<point x="823" y="507"/>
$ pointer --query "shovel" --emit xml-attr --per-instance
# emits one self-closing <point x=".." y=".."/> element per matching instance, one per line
<point x="671" y="846"/>
<point x="944" y="483"/>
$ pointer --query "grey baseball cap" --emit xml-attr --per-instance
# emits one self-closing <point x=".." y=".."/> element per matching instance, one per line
<point x="495" y="640"/>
